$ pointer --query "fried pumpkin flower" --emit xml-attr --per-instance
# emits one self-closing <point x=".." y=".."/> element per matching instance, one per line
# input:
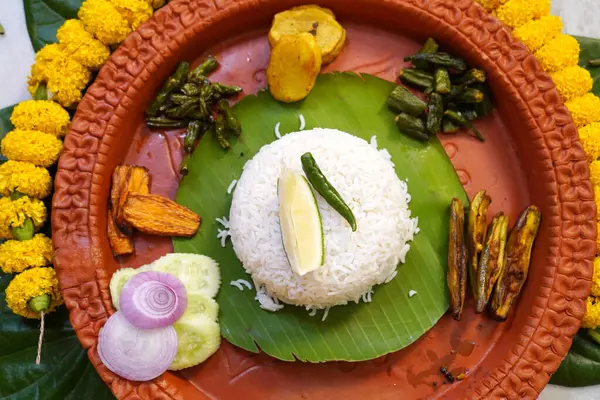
<point x="573" y="82"/>
<point x="13" y="214"/>
<point x="591" y="319"/>
<point x="41" y="115"/>
<point x="81" y="45"/>
<point x="26" y="178"/>
<point x="589" y="136"/>
<point x="534" y="34"/>
<point x="16" y="256"/>
<point x="65" y="77"/>
<point x="515" y="13"/>
<point x="30" y="284"/>
<point x="133" y="11"/>
<point x="104" y="21"/>
<point x="559" y="53"/>
<point x="584" y="109"/>
<point x="36" y="147"/>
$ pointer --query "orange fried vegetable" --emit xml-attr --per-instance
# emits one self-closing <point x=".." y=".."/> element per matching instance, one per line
<point x="293" y="68"/>
<point x="120" y="243"/>
<point x="158" y="215"/>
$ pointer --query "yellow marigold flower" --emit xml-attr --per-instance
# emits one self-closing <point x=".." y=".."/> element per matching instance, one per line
<point x="104" y="21"/>
<point x="39" y="148"/>
<point x="41" y="115"/>
<point x="534" y="34"/>
<point x="16" y="256"/>
<point x="559" y="53"/>
<point x="584" y="109"/>
<point x="596" y="278"/>
<point x="81" y="45"/>
<point x="573" y="82"/>
<point x="134" y="11"/>
<point x="156" y="3"/>
<point x="65" y="76"/>
<point x="589" y="136"/>
<point x="595" y="173"/>
<point x="29" y="284"/>
<point x="13" y="214"/>
<point x="591" y="319"/>
<point x="515" y="13"/>
<point x="25" y="178"/>
<point x="491" y="5"/>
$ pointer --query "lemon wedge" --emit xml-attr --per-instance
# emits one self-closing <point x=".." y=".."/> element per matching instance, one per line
<point x="301" y="225"/>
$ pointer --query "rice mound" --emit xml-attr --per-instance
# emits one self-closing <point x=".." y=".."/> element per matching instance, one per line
<point x="354" y="261"/>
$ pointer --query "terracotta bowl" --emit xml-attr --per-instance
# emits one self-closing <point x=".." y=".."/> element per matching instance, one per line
<point x="532" y="155"/>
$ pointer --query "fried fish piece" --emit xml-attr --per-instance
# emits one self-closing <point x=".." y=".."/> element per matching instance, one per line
<point x="456" y="277"/>
<point x="158" y="215"/>
<point x="518" y="258"/>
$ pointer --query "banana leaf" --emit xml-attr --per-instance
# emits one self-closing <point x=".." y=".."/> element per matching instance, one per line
<point x="354" y="332"/>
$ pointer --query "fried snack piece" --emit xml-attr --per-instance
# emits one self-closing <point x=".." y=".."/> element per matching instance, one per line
<point x="293" y="68"/>
<point x="477" y="227"/>
<point x="518" y="257"/>
<point x="120" y="243"/>
<point x="125" y="179"/>
<point x="456" y="277"/>
<point x="158" y="215"/>
<point x="318" y="21"/>
<point x="492" y="260"/>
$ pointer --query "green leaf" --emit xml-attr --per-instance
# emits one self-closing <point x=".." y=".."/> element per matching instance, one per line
<point x="353" y="332"/>
<point x="65" y="372"/>
<point x="590" y="50"/>
<point x="44" y="17"/>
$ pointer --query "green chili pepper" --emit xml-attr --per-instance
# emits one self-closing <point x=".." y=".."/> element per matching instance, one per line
<point x="201" y="71"/>
<point x="435" y="113"/>
<point x="193" y="132"/>
<point x="469" y="114"/>
<point x="412" y="126"/>
<point x="449" y="127"/>
<point x="324" y="188"/>
<point x="440" y="59"/>
<point x="470" y="77"/>
<point x="173" y="83"/>
<point x="402" y="100"/>
<point x="416" y="77"/>
<point x="442" y="81"/>
<point x="220" y="127"/>
<point x="181" y="111"/>
<point x="470" y="96"/>
<point x="180" y="99"/>
<point x="183" y="167"/>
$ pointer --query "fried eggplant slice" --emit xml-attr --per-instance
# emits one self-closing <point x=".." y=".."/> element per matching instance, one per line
<point x="518" y="257"/>
<point x="158" y="215"/>
<point x="120" y="243"/>
<point x="476" y="230"/>
<point x="456" y="277"/>
<point x="492" y="260"/>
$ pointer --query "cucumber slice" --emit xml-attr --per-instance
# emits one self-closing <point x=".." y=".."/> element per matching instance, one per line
<point x="198" y="337"/>
<point x="118" y="280"/>
<point x="200" y="304"/>
<point x="197" y="272"/>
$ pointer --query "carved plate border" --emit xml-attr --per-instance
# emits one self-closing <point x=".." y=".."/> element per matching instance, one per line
<point x="82" y="174"/>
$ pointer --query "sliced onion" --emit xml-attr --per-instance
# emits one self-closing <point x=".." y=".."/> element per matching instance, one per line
<point x="133" y="353"/>
<point x="153" y="299"/>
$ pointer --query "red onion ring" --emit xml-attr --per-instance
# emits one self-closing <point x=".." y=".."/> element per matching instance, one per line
<point x="136" y="354"/>
<point x="153" y="300"/>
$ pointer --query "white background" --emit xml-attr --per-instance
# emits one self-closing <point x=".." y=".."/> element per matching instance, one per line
<point x="581" y="17"/>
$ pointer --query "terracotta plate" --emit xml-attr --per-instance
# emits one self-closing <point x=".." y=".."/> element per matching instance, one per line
<point x="532" y="155"/>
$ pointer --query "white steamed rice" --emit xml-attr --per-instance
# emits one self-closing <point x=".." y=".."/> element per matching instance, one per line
<point x="354" y="261"/>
